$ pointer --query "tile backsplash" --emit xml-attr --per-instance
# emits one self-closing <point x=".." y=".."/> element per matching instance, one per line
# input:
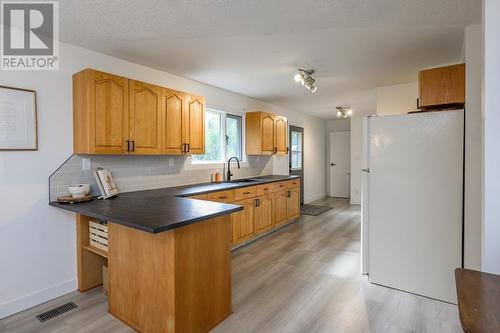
<point x="135" y="173"/>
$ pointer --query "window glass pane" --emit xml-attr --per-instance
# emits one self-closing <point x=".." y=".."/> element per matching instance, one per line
<point x="213" y="138"/>
<point x="233" y="136"/>
<point x="296" y="150"/>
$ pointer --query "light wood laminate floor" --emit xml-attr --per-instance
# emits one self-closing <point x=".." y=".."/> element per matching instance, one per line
<point x="303" y="278"/>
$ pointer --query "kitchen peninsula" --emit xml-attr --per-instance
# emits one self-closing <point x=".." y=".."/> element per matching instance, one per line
<point x="168" y="259"/>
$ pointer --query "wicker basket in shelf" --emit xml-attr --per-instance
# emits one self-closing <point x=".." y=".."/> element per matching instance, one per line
<point x="98" y="235"/>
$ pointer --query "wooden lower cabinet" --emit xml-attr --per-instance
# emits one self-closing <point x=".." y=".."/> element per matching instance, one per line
<point x="263" y="214"/>
<point x="293" y="203"/>
<point x="280" y="208"/>
<point x="265" y="207"/>
<point x="242" y="221"/>
<point x="171" y="282"/>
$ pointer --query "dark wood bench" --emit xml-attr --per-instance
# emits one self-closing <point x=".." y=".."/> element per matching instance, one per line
<point x="478" y="301"/>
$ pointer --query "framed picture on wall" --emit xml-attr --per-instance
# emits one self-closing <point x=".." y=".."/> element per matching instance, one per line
<point x="18" y="119"/>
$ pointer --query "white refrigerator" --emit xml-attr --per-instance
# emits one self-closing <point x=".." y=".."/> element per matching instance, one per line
<point x="412" y="202"/>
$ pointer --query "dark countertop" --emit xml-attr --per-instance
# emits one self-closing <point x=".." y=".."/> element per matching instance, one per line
<point x="163" y="209"/>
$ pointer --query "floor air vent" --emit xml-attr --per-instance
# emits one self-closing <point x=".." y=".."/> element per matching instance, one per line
<point x="56" y="311"/>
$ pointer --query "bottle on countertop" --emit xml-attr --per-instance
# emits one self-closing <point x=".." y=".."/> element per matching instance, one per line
<point x="218" y="176"/>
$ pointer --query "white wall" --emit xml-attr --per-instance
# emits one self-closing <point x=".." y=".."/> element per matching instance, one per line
<point x="315" y="159"/>
<point x="491" y="138"/>
<point x="37" y="242"/>
<point x="397" y="99"/>
<point x="356" y="128"/>
<point x="473" y="142"/>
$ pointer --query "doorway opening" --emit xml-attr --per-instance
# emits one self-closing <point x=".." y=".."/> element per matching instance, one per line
<point x="340" y="164"/>
<point x="296" y="156"/>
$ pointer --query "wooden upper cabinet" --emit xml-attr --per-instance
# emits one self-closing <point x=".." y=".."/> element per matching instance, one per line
<point x="442" y="87"/>
<point x="267" y="124"/>
<point x="280" y="135"/>
<point x="145" y="118"/>
<point x="173" y="104"/>
<point x="100" y="113"/>
<point x="115" y="115"/>
<point x="259" y="131"/>
<point x="194" y="126"/>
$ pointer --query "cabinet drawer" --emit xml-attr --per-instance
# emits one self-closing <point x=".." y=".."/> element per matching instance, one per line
<point x="264" y="189"/>
<point x="293" y="183"/>
<point x="221" y="196"/>
<point x="244" y="193"/>
<point x="280" y="186"/>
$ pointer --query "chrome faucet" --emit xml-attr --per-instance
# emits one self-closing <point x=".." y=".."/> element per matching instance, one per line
<point x="229" y="173"/>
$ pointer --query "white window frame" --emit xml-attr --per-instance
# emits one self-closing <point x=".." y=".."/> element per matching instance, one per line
<point x="197" y="165"/>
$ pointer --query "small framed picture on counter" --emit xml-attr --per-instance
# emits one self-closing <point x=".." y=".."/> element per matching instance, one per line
<point x="18" y="119"/>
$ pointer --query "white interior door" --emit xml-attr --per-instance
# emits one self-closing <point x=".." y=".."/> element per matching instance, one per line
<point x="415" y="207"/>
<point x="340" y="164"/>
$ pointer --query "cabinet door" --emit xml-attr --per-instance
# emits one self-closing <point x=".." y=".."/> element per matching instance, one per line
<point x="109" y="102"/>
<point x="145" y="118"/>
<point x="441" y="86"/>
<point x="280" y="135"/>
<point x="263" y="218"/>
<point x="267" y="128"/>
<point x="194" y="125"/>
<point x="280" y="208"/>
<point x="242" y="221"/>
<point x="173" y="122"/>
<point x="293" y="203"/>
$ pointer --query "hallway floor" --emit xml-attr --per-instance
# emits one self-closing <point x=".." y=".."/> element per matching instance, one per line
<point x="303" y="278"/>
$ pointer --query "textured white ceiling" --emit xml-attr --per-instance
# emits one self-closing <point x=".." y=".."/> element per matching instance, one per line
<point x="254" y="47"/>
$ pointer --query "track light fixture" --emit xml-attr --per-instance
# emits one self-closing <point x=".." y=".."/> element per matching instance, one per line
<point x="305" y="78"/>
<point x="344" y="111"/>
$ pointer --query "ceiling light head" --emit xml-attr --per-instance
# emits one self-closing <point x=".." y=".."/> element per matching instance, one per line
<point x="309" y="80"/>
<point x="305" y="78"/>
<point x="344" y="111"/>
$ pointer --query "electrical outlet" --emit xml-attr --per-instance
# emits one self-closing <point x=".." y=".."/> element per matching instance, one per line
<point x="86" y="163"/>
<point x="170" y="161"/>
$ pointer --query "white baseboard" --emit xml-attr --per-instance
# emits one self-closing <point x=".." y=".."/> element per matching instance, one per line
<point x="35" y="298"/>
<point x="314" y="198"/>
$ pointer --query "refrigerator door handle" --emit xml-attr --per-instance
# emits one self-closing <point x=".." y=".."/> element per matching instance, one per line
<point x="366" y="170"/>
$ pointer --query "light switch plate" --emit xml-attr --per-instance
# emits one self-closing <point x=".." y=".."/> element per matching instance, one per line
<point x="86" y="163"/>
